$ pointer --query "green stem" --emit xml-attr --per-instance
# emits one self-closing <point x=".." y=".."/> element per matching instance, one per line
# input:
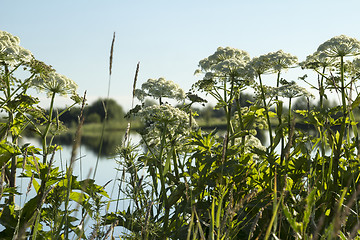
<point x="342" y="132"/>
<point x="162" y="181"/>
<point x="266" y="112"/>
<point x="238" y="104"/>
<point x="44" y="135"/>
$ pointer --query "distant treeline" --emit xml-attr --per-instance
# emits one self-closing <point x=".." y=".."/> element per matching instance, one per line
<point x="94" y="113"/>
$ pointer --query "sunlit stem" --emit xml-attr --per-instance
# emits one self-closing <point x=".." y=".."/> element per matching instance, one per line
<point x="342" y="130"/>
<point x="44" y="135"/>
<point x="238" y="104"/>
<point x="266" y="112"/>
<point x="279" y="119"/>
<point x="321" y="88"/>
<point x="162" y="179"/>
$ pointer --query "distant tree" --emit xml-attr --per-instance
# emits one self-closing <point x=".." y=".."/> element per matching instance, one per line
<point x="69" y="117"/>
<point x="114" y="110"/>
<point x="93" y="118"/>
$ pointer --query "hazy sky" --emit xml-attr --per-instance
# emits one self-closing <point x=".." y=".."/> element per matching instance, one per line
<point x="167" y="37"/>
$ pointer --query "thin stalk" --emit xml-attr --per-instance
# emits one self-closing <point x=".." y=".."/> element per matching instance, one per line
<point x="162" y="181"/>
<point x="267" y="113"/>
<point x="238" y="101"/>
<point x="44" y="135"/>
<point x="282" y="142"/>
<point x="338" y="149"/>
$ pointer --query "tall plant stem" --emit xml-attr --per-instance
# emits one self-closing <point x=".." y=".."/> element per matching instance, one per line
<point x="45" y="133"/>
<point x="238" y="104"/>
<point x="266" y="113"/>
<point x="342" y="131"/>
<point x="12" y="180"/>
<point x="279" y="114"/>
<point x="228" y="110"/>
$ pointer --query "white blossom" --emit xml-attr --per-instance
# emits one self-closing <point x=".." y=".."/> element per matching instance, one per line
<point x="160" y="119"/>
<point x="56" y="83"/>
<point x="253" y="142"/>
<point x="353" y="68"/>
<point x="340" y="46"/>
<point x="160" y="88"/>
<point x="271" y="62"/>
<point x="10" y="51"/>
<point x="292" y="90"/>
<point x="318" y="59"/>
<point x="281" y="60"/>
<point x="224" y="61"/>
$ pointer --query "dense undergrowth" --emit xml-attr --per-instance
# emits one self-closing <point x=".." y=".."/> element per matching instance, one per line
<point x="182" y="182"/>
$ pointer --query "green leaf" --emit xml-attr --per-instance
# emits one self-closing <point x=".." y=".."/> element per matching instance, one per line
<point x="310" y="202"/>
<point x="7" y="151"/>
<point x="292" y="221"/>
<point x="167" y="163"/>
<point x="78" y="197"/>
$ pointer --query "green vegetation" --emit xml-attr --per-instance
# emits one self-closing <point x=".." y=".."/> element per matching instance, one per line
<point x="183" y="181"/>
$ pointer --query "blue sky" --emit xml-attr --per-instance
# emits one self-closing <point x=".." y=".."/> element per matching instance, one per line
<point x="167" y="37"/>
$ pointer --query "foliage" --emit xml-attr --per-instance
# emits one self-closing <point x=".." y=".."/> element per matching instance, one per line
<point x="93" y="113"/>
<point x="50" y="211"/>
<point x="182" y="182"/>
<point x="302" y="185"/>
<point x="113" y="111"/>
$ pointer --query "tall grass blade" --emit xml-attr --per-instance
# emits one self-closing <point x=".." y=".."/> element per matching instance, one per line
<point x="111" y="54"/>
<point x="134" y="84"/>
<point x="105" y="104"/>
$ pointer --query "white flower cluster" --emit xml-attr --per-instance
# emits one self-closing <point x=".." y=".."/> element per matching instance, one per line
<point x="340" y="46"/>
<point x="271" y="62"/>
<point x="10" y="51"/>
<point x="160" y="88"/>
<point x="286" y="90"/>
<point x="160" y="118"/>
<point x="316" y="60"/>
<point x="292" y="90"/>
<point x="54" y="83"/>
<point x="353" y="68"/>
<point x="281" y="60"/>
<point x="252" y="142"/>
<point x="224" y="61"/>
<point x="161" y="115"/>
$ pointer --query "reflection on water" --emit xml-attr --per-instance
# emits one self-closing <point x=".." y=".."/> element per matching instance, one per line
<point x="110" y="141"/>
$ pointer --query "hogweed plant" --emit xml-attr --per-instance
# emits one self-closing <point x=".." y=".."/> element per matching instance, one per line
<point x="48" y="213"/>
<point x="183" y="182"/>
<point x="193" y="184"/>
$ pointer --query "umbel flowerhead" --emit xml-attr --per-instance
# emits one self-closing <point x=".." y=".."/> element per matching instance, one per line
<point x="160" y="88"/>
<point x="54" y="83"/>
<point x="160" y="119"/>
<point x="318" y="60"/>
<point x="11" y="52"/>
<point x="292" y="90"/>
<point x="340" y="46"/>
<point x="224" y="62"/>
<point x="271" y="62"/>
